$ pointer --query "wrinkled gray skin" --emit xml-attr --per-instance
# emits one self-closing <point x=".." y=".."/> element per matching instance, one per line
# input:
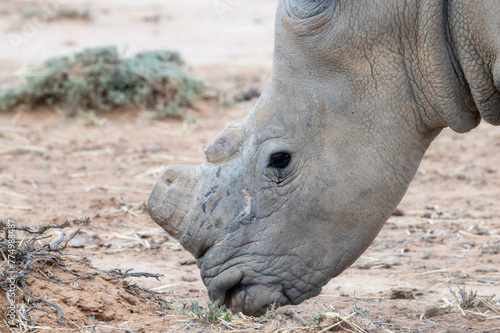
<point x="359" y="89"/>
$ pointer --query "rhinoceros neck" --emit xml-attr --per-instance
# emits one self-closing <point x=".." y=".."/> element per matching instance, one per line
<point x="472" y="32"/>
<point x="439" y="85"/>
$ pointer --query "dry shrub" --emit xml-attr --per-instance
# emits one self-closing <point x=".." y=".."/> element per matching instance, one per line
<point x="44" y="287"/>
<point x="97" y="79"/>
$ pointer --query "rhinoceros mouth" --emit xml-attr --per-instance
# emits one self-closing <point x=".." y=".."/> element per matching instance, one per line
<point x="252" y="299"/>
<point x="242" y="290"/>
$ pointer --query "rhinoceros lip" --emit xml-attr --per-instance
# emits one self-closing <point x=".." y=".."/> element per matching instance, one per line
<point x="232" y="293"/>
<point x="230" y="290"/>
<point x="240" y="288"/>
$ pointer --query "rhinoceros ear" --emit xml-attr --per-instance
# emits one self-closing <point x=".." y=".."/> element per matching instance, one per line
<point x="304" y="9"/>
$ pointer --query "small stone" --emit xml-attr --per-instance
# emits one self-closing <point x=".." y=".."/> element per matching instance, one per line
<point x="195" y="291"/>
<point x="247" y="95"/>
<point x="389" y="263"/>
<point x="189" y="278"/>
<point x="187" y="261"/>
<point x="176" y="248"/>
<point x="431" y="311"/>
<point x="366" y="265"/>
<point x="400" y="293"/>
<point x="398" y="212"/>
<point x="459" y="274"/>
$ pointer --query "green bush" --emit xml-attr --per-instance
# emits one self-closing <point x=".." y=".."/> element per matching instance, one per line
<point x="209" y="315"/>
<point x="99" y="80"/>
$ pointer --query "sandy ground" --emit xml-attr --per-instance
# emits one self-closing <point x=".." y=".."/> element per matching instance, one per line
<point x="53" y="169"/>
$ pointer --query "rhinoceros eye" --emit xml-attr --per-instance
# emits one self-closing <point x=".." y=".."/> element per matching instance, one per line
<point x="279" y="160"/>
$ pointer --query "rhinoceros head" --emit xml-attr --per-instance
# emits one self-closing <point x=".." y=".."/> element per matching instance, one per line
<point x="293" y="196"/>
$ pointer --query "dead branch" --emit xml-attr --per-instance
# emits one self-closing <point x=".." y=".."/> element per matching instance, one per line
<point x="122" y="275"/>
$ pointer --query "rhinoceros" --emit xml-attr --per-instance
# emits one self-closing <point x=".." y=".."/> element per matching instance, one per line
<point x="294" y="195"/>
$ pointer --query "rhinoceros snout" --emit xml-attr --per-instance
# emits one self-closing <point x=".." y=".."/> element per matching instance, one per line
<point x="173" y="197"/>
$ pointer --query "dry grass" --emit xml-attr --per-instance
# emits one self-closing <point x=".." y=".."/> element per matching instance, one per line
<point x="40" y="255"/>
